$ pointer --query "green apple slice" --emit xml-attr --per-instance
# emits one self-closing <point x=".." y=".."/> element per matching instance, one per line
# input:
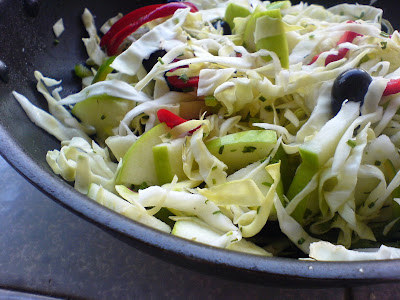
<point x="237" y="150"/>
<point x="138" y="167"/>
<point x="168" y="161"/>
<point x="233" y="11"/>
<point x="102" y="112"/>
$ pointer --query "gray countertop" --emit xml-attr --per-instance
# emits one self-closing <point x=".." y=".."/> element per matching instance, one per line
<point x="47" y="250"/>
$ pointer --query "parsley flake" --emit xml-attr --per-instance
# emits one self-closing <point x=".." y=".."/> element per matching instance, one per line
<point x="249" y="149"/>
<point x="184" y="78"/>
<point x="221" y="149"/>
<point x="351" y="143"/>
<point x="160" y="60"/>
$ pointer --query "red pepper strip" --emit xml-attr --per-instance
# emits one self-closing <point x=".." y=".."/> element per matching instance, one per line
<point x="392" y="87"/>
<point x="160" y="12"/>
<point x="347" y="37"/>
<point x="169" y="118"/>
<point x="180" y="83"/>
<point x="126" y="20"/>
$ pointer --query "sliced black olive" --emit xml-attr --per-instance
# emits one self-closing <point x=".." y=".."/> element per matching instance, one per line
<point x="226" y="29"/>
<point x="351" y="85"/>
<point x="149" y="63"/>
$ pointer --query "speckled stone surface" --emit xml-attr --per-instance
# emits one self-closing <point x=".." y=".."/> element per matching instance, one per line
<point x="47" y="250"/>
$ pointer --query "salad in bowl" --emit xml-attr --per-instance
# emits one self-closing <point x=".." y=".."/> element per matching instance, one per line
<point x="262" y="127"/>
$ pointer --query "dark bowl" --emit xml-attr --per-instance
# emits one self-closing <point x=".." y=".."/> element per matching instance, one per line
<point x="27" y="43"/>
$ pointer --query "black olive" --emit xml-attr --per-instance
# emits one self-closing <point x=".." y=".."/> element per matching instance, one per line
<point x="351" y="85"/>
<point x="226" y="29"/>
<point x="3" y="72"/>
<point x="32" y="7"/>
<point x="149" y="63"/>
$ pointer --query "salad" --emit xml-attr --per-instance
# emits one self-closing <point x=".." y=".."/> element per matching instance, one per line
<point x="262" y="127"/>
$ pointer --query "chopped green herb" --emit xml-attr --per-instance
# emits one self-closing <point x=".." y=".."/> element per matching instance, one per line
<point x="184" y="78"/>
<point x="141" y="186"/>
<point x="378" y="163"/>
<point x="210" y="101"/>
<point x="102" y="117"/>
<point x="301" y="241"/>
<point x="362" y="15"/>
<point x="249" y="149"/>
<point x="207" y="201"/>
<point x="371" y="205"/>
<point x="235" y="240"/>
<point x="269" y="108"/>
<point x="221" y="149"/>
<point x="214" y="181"/>
<point x="233" y="150"/>
<point x="56" y="42"/>
<point x="351" y="143"/>
<point x="258" y="210"/>
<point x="307" y="213"/>
<point x="266" y="184"/>
<point x="160" y="60"/>
<point x="364" y="59"/>
<point x="214" y="168"/>
<point x="262" y="99"/>
<point x="176" y="21"/>
<point x="312" y="36"/>
<point x="229" y="233"/>
<point x="383" y="45"/>
<point x="168" y="135"/>
<point x="217" y="212"/>
<point x="255" y="120"/>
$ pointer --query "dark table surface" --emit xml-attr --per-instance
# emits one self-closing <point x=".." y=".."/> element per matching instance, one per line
<point x="47" y="251"/>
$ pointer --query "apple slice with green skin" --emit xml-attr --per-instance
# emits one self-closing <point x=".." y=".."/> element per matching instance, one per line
<point x="168" y="161"/>
<point x="317" y="151"/>
<point x="138" y="167"/>
<point x="233" y="11"/>
<point x="102" y="112"/>
<point x="237" y="150"/>
<point x="275" y="43"/>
